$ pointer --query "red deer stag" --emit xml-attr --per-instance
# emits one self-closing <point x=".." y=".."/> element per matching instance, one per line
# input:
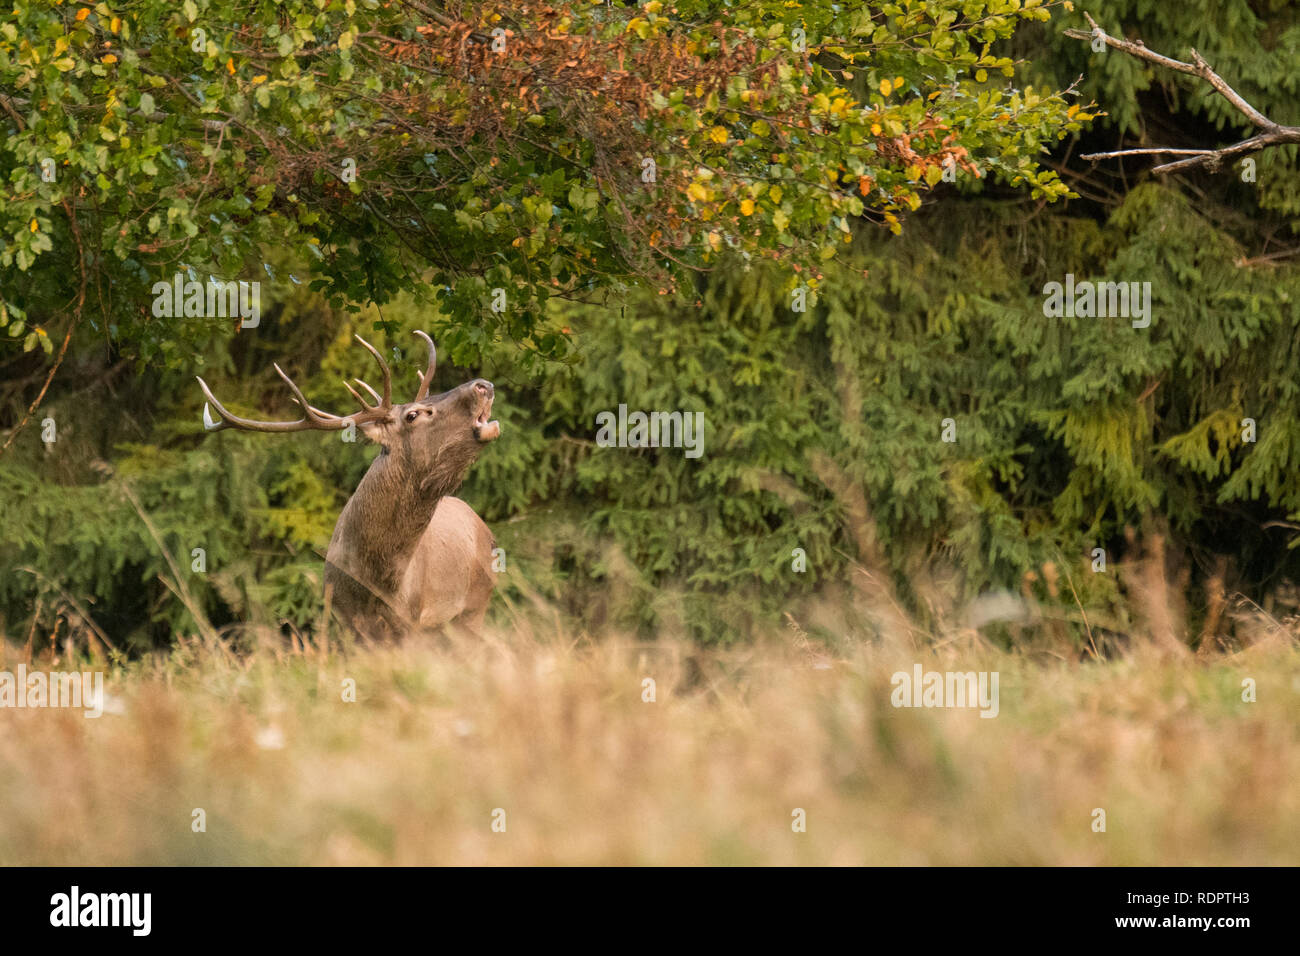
<point x="405" y="554"/>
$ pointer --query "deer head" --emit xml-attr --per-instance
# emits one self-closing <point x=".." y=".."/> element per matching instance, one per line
<point x="434" y="438"/>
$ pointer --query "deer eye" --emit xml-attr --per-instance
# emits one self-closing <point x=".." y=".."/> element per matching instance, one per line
<point x="412" y="415"/>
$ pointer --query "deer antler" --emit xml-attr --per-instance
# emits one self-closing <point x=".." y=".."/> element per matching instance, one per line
<point x="427" y="377"/>
<point x="313" y="418"/>
<point x="387" y="401"/>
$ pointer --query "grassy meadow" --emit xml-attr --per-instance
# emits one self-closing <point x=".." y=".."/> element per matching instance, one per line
<point x="553" y="730"/>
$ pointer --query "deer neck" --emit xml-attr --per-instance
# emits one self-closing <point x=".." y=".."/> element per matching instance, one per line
<point x="386" y="518"/>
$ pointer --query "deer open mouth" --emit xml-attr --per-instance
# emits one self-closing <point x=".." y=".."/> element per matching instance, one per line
<point x="484" y="430"/>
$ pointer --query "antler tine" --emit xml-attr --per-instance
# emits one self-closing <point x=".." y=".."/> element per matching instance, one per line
<point x="325" y="415"/>
<point x="373" y="393"/>
<point x="387" y="401"/>
<point x="427" y="378"/>
<point x="312" y="419"/>
<point x="208" y="424"/>
<point x="308" y="410"/>
<point x="366" y="406"/>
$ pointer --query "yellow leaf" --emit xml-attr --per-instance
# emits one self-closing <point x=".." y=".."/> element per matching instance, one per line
<point x="115" y="24"/>
<point x="747" y="207"/>
<point x="110" y="58"/>
<point x="715" y="241"/>
<point x="230" y="66"/>
<point x="697" y="192"/>
<point x="776" y="193"/>
<point x="898" y="82"/>
<point x="875" y="129"/>
<point x="81" y="15"/>
<point x="718" y="134"/>
<point x="886" y="87"/>
<point x="34" y="226"/>
<point x="259" y="79"/>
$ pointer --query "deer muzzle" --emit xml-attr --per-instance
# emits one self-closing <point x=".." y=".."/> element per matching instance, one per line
<point x="484" y="430"/>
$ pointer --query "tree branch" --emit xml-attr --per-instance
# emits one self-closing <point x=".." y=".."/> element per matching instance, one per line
<point x="72" y="325"/>
<point x="1273" y="134"/>
<point x="437" y="16"/>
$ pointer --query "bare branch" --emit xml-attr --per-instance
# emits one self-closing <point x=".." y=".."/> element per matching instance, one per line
<point x="1274" y="134"/>
<point x="1155" y="149"/>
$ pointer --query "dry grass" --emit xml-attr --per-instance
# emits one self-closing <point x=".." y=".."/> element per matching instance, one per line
<point x="557" y="735"/>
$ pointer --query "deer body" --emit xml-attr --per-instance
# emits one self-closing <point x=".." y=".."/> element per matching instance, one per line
<point x="456" y="541"/>
<point x="436" y="575"/>
<point x="405" y="555"/>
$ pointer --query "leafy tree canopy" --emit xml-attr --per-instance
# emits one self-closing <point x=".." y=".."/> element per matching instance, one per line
<point x="456" y="149"/>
